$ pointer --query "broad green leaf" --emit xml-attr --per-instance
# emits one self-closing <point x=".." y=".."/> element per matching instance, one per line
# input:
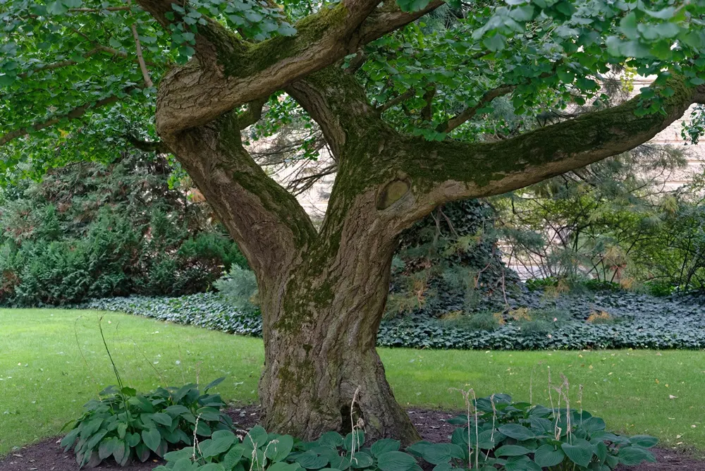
<point x="384" y="445"/>
<point x="633" y="455"/>
<point x="396" y="461"/>
<point x="517" y="432"/>
<point x="152" y="438"/>
<point x="548" y="455"/>
<point x="578" y="454"/>
<point x="512" y="450"/>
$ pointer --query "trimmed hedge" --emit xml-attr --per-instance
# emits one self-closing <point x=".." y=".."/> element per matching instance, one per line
<point x="640" y="321"/>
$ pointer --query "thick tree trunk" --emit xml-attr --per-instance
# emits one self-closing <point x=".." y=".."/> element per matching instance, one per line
<point x="322" y="371"/>
<point x="322" y="295"/>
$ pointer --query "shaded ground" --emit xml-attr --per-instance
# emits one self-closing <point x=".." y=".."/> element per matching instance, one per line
<point x="431" y="424"/>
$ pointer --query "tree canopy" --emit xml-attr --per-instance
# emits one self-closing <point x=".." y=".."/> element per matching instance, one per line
<point x="78" y="76"/>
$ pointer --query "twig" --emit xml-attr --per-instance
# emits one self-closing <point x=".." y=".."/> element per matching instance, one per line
<point x="140" y="58"/>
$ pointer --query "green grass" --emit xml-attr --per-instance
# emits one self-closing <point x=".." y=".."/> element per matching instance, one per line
<point x="44" y="379"/>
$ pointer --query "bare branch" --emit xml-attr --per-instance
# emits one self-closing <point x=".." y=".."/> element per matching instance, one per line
<point x="356" y="62"/>
<point x="470" y="112"/>
<point x="58" y="65"/>
<point x="147" y="146"/>
<point x="395" y="101"/>
<point x="138" y="50"/>
<point x="98" y="10"/>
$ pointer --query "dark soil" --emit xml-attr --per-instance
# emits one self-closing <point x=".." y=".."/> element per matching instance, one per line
<point x="431" y="424"/>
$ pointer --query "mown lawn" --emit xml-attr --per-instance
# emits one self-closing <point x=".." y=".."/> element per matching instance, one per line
<point x="45" y="379"/>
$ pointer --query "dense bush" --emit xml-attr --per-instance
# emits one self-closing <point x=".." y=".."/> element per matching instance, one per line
<point x="595" y="320"/>
<point x="506" y="436"/>
<point x="95" y="230"/>
<point x="127" y="425"/>
<point x="449" y="261"/>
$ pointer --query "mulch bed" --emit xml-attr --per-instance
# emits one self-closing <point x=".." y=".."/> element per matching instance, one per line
<point x="47" y="455"/>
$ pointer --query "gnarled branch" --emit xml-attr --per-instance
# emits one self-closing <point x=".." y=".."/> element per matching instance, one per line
<point x="451" y="170"/>
<point x="235" y="72"/>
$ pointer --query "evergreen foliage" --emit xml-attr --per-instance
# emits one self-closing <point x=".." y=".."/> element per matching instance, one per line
<point x="93" y="230"/>
<point x="450" y="262"/>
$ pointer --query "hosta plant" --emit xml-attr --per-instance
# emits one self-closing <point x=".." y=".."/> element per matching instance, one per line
<point x="260" y="451"/>
<point x="506" y="436"/>
<point x="127" y="425"/>
<point x="521" y="437"/>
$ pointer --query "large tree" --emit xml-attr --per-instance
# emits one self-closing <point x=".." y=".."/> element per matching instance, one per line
<point x="408" y="96"/>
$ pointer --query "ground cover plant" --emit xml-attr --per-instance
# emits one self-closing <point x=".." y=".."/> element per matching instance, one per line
<point x="502" y="435"/>
<point x="126" y="425"/>
<point x="45" y="380"/>
<point x="531" y="321"/>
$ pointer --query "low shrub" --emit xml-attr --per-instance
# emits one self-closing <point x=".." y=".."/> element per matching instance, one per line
<point x="505" y="435"/>
<point x="127" y="425"/>
<point x="639" y="321"/>
<point x="239" y="288"/>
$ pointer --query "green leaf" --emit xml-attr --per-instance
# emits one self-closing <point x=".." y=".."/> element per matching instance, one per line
<point x="56" y="8"/>
<point x="517" y="432"/>
<point x="601" y="451"/>
<point x="311" y="460"/>
<point x="696" y="81"/>
<point x="70" y="438"/>
<point x="633" y="455"/>
<point x="437" y="453"/>
<point x="215" y="382"/>
<point x="547" y="456"/>
<point x="665" y="14"/>
<point x="354" y="439"/>
<point x="332" y="439"/>
<point x="183" y="464"/>
<point x="644" y="441"/>
<point x="396" y="461"/>
<point x="152" y="438"/>
<point x="121" y="453"/>
<point x="523" y="13"/>
<point x="412" y="5"/>
<point x="495" y="43"/>
<point x="385" y="445"/>
<point x="212" y="467"/>
<point x="95" y="439"/>
<point x="512" y="450"/>
<point x="285" y="29"/>
<point x="220" y="442"/>
<point x="282" y="466"/>
<point x="361" y="460"/>
<point x="578" y="454"/>
<point x="162" y="419"/>
<point x="255" y="438"/>
<point x="209" y="414"/>
<point x="628" y="26"/>
<point x="280" y="448"/>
